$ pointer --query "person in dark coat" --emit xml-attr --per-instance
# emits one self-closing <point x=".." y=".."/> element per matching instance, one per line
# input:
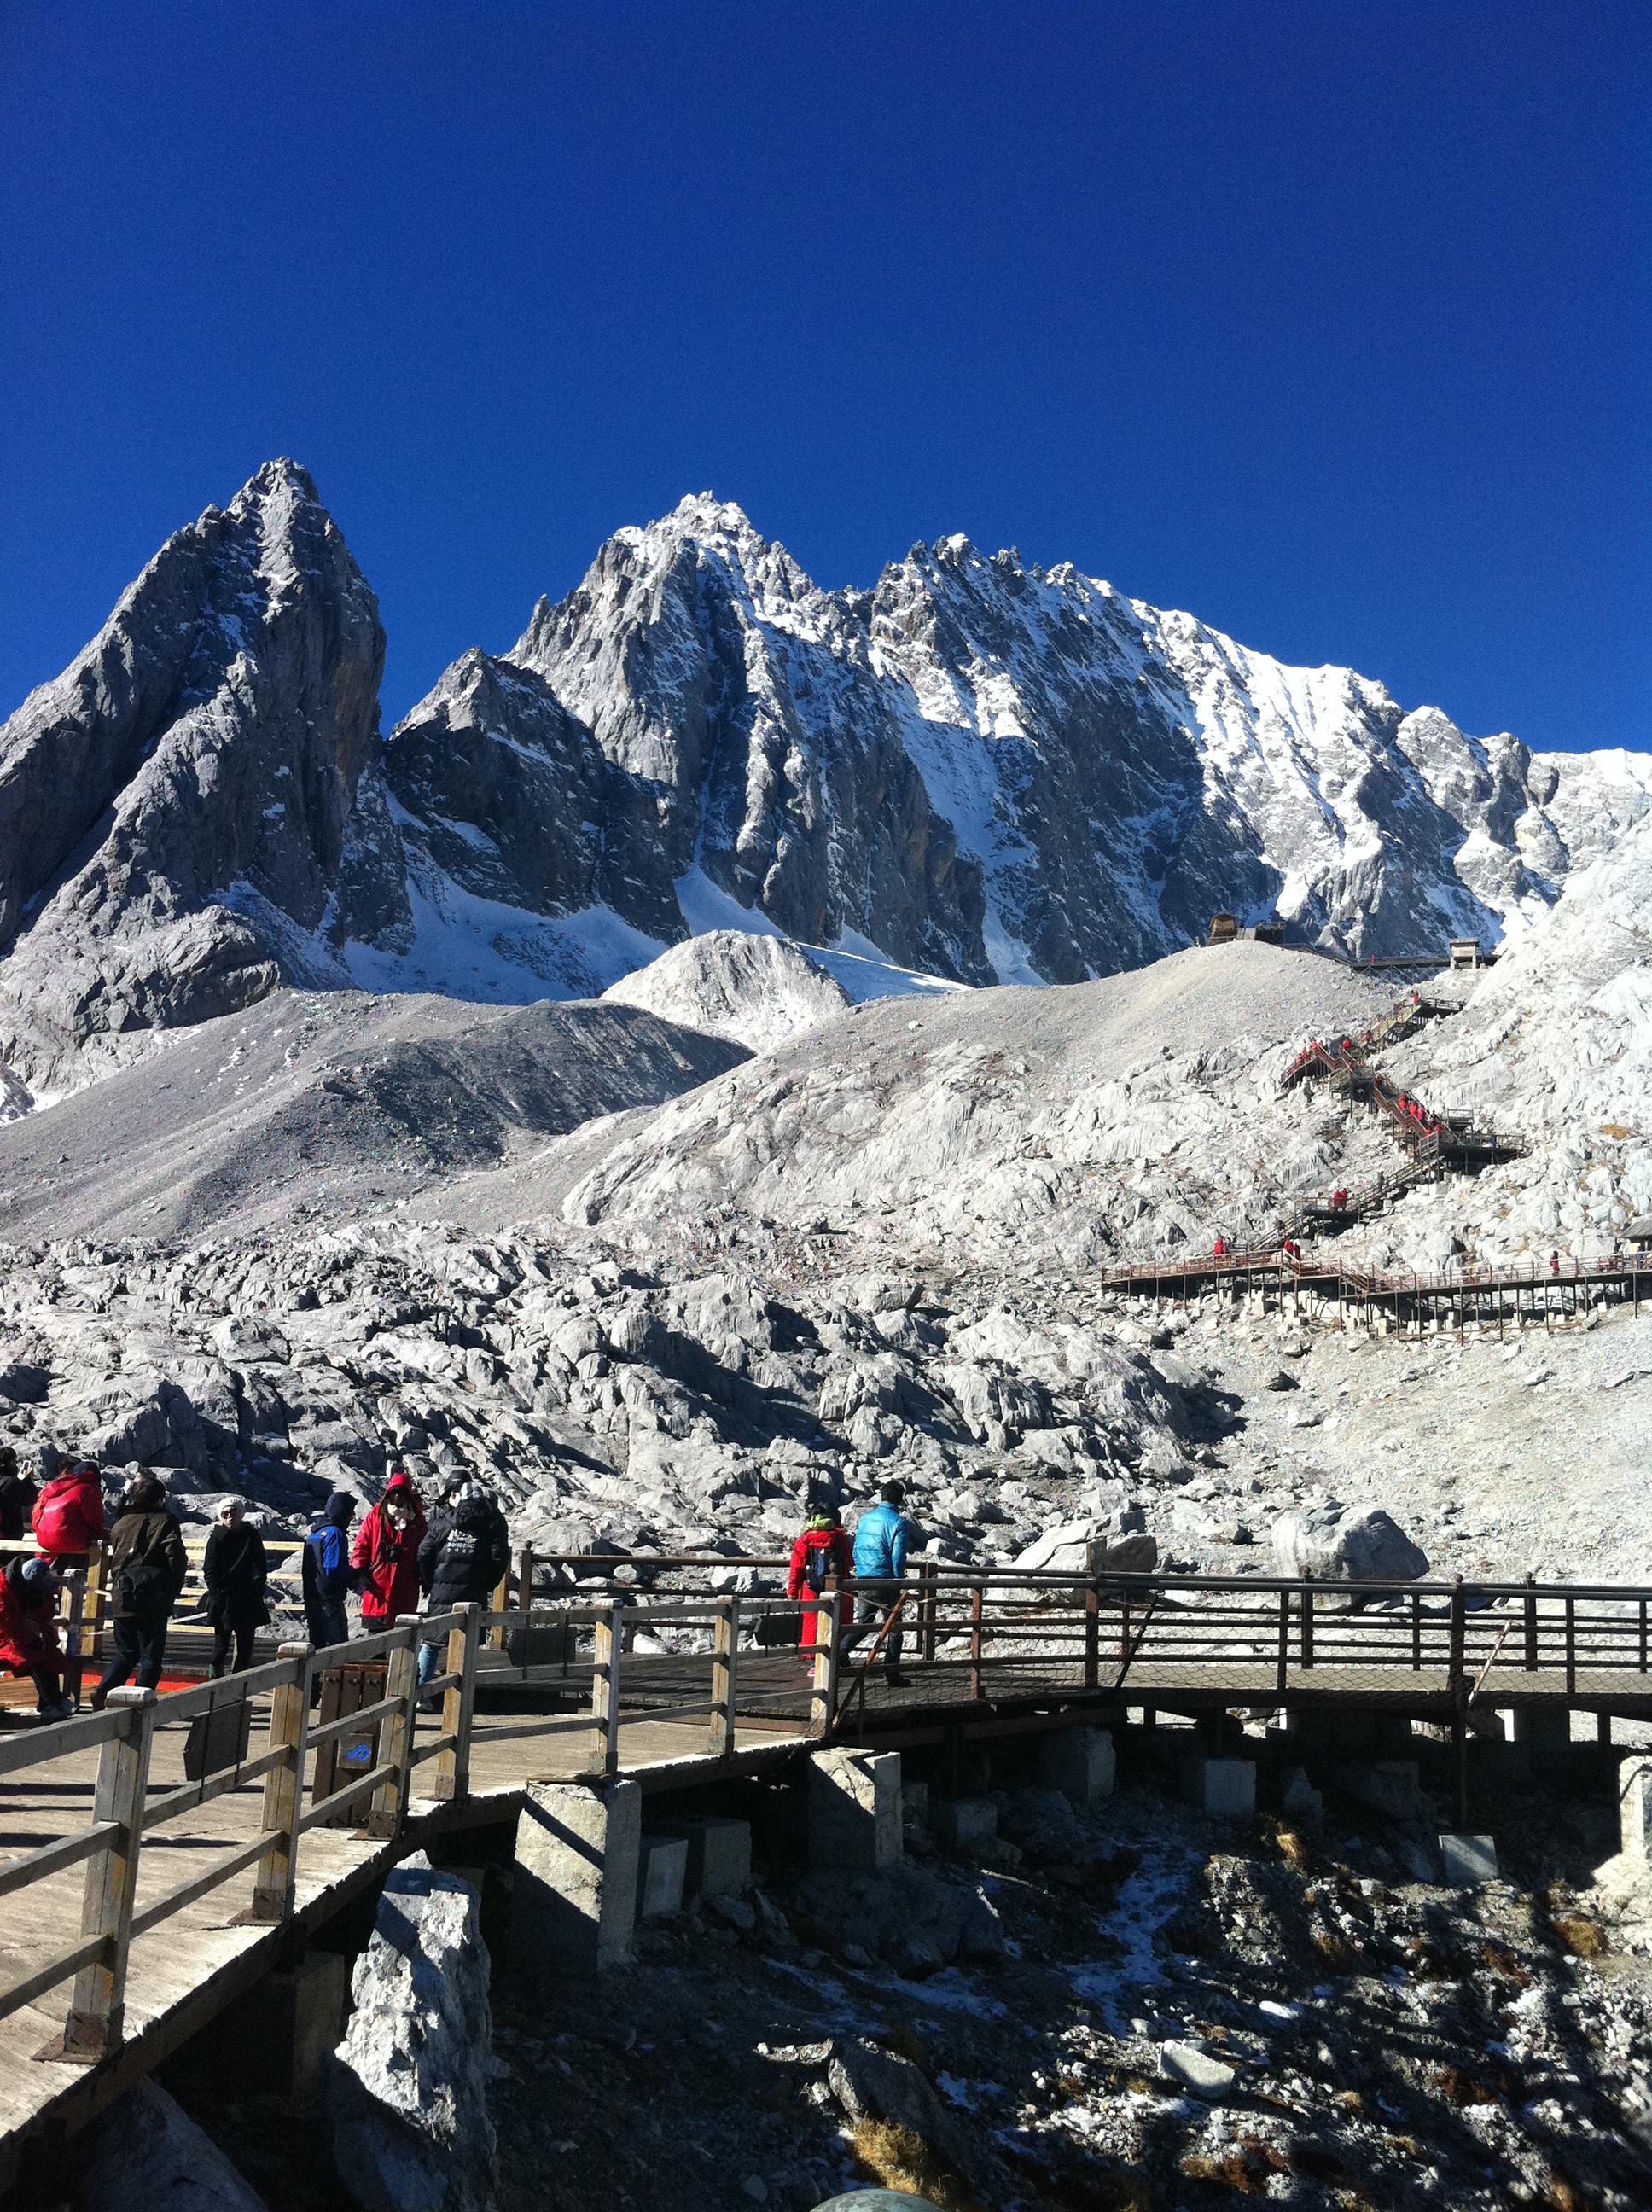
<point x="17" y="1497"/>
<point x="462" y="1561"/>
<point x="328" y="1574"/>
<point x="148" y="1565"/>
<point x="234" y="1572"/>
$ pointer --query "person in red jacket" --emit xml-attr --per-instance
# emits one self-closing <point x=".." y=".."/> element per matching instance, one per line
<point x="28" y="1632"/>
<point x="68" y="1516"/>
<point x="822" y="1550"/>
<point x="386" y="1556"/>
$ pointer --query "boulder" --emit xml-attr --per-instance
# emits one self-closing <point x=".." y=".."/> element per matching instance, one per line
<point x="1042" y="1824"/>
<point x="146" y="2155"/>
<point x="407" y="2088"/>
<point x="1354" y="1543"/>
<point x="1067" y="1550"/>
<point x="873" y="2083"/>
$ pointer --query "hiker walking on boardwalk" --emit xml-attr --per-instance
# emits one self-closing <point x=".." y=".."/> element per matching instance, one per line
<point x="820" y="1555"/>
<point x="28" y="1632"/>
<point x="386" y="1555"/>
<point x="68" y="1516"/>
<point x="327" y="1573"/>
<point x="147" y="1567"/>
<point x="234" y="1572"/>
<point x="17" y="1498"/>
<point x="465" y="1555"/>
<point x="880" y="1560"/>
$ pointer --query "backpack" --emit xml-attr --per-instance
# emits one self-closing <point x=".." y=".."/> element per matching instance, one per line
<point x="144" y="1585"/>
<point x="819" y="1563"/>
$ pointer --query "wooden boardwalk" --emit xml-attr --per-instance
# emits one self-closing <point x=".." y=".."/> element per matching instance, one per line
<point x="135" y="1903"/>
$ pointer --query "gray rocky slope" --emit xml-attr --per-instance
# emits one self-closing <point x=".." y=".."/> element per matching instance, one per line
<point x="975" y="772"/>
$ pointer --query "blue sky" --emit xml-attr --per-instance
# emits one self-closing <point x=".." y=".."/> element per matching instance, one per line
<point x="1327" y="322"/>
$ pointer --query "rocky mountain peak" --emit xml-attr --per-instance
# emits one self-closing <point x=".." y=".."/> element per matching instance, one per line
<point x="176" y="809"/>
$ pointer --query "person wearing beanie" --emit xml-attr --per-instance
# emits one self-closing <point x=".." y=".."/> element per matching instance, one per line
<point x="234" y="1572"/>
<point x="464" y="1556"/>
<point x="327" y="1576"/>
<point x="148" y="1565"/>
<point x="28" y="1632"/>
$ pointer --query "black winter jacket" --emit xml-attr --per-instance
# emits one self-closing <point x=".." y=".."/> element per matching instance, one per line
<point x="465" y="1555"/>
<point x="234" y="1572"/>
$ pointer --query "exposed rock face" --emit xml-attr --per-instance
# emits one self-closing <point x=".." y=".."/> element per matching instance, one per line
<point x="146" y="2155"/>
<point x="178" y="810"/>
<point x="757" y="990"/>
<point x="976" y="772"/>
<point x="408" y="2084"/>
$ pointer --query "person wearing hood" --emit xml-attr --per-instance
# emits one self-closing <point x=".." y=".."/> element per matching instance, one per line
<point x="28" y="1632"/>
<point x="821" y="1551"/>
<point x="464" y="1558"/>
<point x="68" y="1515"/>
<point x="327" y="1576"/>
<point x="386" y="1555"/>
<point x="234" y="1572"/>
<point x="18" y="1496"/>
<point x="148" y="1565"/>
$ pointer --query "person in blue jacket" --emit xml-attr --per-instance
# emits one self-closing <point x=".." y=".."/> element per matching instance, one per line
<point x="327" y="1573"/>
<point x="880" y="1560"/>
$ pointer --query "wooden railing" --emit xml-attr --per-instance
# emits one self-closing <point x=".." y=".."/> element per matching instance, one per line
<point x="127" y="1814"/>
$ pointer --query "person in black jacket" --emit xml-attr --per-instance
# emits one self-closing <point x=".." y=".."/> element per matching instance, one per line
<point x="17" y="1497"/>
<point x="148" y="1564"/>
<point x="462" y="1561"/>
<point x="234" y="1572"/>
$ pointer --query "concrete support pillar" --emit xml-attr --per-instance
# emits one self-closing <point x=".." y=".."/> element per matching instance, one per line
<point x="1539" y="1731"/>
<point x="577" y="1847"/>
<point x="1635" y="1807"/>
<point x="1223" y="1786"/>
<point x="1078" y="1762"/>
<point x="719" y="1855"/>
<point x="854" y="1811"/>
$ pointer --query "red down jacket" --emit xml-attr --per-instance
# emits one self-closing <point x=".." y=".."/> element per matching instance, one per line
<point x="68" y="1515"/>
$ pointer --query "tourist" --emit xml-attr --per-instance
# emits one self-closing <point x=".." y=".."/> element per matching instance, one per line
<point x="234" y="1572"/>
<point x="28" y="1632"/>
<point x="148" y="1565"/>
<point x="386" y="1555"/>
<point x="880" y="1560"/>
<point x="327" y="1574"/>
<point x="17" y="1497"/>
<point x="464" y="1556"/>
<point x="821" y="1552"/>
<point x="68" y="1516"/>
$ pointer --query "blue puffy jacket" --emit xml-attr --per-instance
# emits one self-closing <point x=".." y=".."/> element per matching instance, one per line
<point x="880" y="1544"/>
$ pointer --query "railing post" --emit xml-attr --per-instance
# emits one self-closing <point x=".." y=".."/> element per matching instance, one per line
<point x="1092" y="1626"/>
<point x="74" y="1632"/>
<point x="1571" y="1647"/>
<point x="97" y="2008"/>
<point x="1308" y="1620"/>
<point x="725" y="1647"/>
<point x="822" y="1713"/>
<point x="1416" y="1633"/>
<point x="459" y="1706"/>
<point x="283" y="1787"/>
<point x="928" y="1572"/>
<point x="605" y="1692"/>
<point x="401" y="1682"/>
<point x="95" y="1567"/>
<point x="1530" y="1607"/>
<point x="976" y="1640"/>
<point x="501" y="1602"/>
<point x="1459" y="1624"/>
<point x="524" y="1583"/>
<point x="1284" y="1644"/>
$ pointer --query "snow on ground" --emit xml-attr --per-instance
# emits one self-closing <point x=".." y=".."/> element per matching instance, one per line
<point x="758" y="990"/>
